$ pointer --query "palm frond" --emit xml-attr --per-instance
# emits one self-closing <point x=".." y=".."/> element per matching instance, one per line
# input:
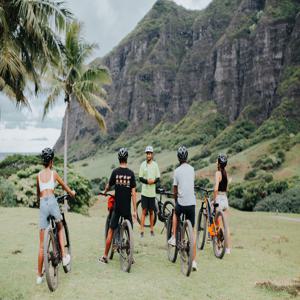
<point x="52" y="98"/>
<point x="100" y="75"/>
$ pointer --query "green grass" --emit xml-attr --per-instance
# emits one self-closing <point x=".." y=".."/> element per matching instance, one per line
<point x="265" y="247"/>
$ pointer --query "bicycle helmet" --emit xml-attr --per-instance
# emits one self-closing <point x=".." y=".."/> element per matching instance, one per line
<point x="222" y="160"/>
<point x="149" y="149"/>
<point x="123" y="154"/>
<point x="182" y="153"/>
<point x="47" y="155"/>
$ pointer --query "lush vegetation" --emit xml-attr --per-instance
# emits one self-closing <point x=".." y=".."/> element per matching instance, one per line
<point x="18" y="183"/>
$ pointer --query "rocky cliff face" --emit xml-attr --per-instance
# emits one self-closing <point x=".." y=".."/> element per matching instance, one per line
<point x="234" y="53"/>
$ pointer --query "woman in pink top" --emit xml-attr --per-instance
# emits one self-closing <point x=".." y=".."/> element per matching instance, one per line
<point x="46" y="180"/>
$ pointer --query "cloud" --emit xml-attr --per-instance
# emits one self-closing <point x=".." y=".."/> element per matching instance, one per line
<point x="193" y="4"/>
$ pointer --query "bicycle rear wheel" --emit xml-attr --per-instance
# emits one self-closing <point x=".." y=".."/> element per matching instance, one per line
<point x="126" y="249"/>
<point x="67" y="243"/>
<point x="51" y="259"/>
<point x="139" y="211"/>
<point x="201" y="228"/>
<point x="186" y="248"/>
<point x="167" y="208"/>
<point x="220" y="238"/>
<point x="172" y="250"/>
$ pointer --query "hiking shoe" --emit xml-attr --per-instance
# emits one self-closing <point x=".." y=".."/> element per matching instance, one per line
<point x="103" y="260"/>
<point x="39" y="279"/>
<point x="152" y="233"/>
<point x="194" y="266"/>
<point x="66" y="260"/>
<point x="227" y="251"/>
<point x="142" y="234"/>
<point x="172" y="241"/>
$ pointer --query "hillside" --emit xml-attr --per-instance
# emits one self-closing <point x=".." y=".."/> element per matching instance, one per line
<point x="241" y="55"/>
<point x="265" y="252"/>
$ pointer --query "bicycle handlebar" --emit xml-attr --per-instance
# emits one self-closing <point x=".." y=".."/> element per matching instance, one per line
<point x="162" y="191"/>
<point x="62" y="198"/>
<point x="107" y="194"/>
<point x="207" y="191"/>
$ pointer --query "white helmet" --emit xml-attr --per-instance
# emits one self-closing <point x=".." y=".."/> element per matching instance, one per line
<point x="149" y="149"/>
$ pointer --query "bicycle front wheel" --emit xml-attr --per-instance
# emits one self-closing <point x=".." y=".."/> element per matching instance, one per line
<point x="67" y="243"/>
<point x="51" y="259"/>
<point x="126" y="247"/>
<point x="201" y="228"/>
<point x="220" y="237"/>
<point x="147" y="217"/>
<point x="167" y="208"/>
<point x="186" y="248"/>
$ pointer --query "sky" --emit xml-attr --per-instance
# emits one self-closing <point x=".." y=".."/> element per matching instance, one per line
<point x="105" y="22"/>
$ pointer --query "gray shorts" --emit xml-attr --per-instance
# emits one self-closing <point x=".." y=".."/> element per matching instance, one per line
<point x="49" y="207"/>
<point x="222" y="201"/>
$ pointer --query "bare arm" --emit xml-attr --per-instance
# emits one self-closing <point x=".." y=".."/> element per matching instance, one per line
<point x="38" y="190"/>
<point x="218" y="178"/>
<point x="175" y="191"/>
<point x="64" y="186"/>
<point x="133" y="195"/>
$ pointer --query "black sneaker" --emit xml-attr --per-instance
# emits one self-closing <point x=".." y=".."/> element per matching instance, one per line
<point x="142" y="234"/>
<point x="152" y="233"/>
<point x="103" y="260"/>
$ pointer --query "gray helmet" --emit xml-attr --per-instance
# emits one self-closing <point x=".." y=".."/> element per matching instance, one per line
<point x="222" y="160"/>
<point x="47" y="155"/>
<point x="182" y="153"/>
<point x="149" y="149"/>
<point x="123" y="154"/>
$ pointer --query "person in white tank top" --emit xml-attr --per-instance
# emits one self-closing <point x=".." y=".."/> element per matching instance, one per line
<point x="45" y="182"/>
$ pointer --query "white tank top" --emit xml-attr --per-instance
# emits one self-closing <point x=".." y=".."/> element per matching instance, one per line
<point x="50" y="185"/>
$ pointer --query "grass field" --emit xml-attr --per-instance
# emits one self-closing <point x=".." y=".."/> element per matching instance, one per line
<point x="265" y="248"/>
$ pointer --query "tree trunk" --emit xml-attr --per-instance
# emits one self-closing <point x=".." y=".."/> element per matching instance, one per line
<point x="66" y="144"/>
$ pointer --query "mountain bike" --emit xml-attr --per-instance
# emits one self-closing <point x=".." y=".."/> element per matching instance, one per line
<point x="213" y="220"/>
<point x="184" y="243"/>
<point x="162" y="208"/>
<point x="122" y="241"/>
<point x="52" y="251"/>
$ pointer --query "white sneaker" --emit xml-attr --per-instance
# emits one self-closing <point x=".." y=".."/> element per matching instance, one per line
<point x="66" y="259"/>
<point x="172" y="241"/>
<point x="39" y="279"/>
<point x="227" y="251"/>
<point x="194" y="266"/>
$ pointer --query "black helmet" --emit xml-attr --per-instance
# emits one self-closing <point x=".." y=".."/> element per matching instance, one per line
<point x="182" y="153"/>
<point x="222" y="160"/>
<point x="47" y="155"/>
<point x="123" y="154"/>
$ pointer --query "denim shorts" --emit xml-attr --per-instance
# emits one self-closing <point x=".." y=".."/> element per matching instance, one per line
<point x="49" y="207"/>
<point x="222" y="201"/>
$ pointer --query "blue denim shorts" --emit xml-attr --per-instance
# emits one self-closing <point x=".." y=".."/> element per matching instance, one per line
<point x="49" y="207"/>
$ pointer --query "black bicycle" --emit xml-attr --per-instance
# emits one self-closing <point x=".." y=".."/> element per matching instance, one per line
<point x="162" y="208"/>
<point x="213" y="220"/>
<point x="184" y="243"/>
<point x="122" y="240"/>
<point x="52" y="251"/>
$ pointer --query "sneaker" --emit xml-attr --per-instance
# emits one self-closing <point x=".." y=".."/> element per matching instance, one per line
<point x="39" y="279"/>
<point x="227" y="251"/>
<point x="66" y="260"/>
<point x="172" y="241"/>
<point x="152" y="233"/>
<point x="142" y="234"/>
<point x="103" y="260"/>
<point x="194" y="266"/>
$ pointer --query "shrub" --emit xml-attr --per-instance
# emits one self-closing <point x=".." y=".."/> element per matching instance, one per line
<point x="7" y="195"/>
<point x="288" y="202"/>
<point x="250" y="175"/>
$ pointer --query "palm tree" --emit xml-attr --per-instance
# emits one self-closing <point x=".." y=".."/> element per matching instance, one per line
<point x="78" y="82"/>
<point x="29" y="41"/>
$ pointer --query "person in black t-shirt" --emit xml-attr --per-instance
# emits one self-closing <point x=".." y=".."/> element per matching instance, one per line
<point x="123" y="180"/>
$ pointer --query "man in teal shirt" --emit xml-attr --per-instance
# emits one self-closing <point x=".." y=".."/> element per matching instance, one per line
<point x="149" y="176"/>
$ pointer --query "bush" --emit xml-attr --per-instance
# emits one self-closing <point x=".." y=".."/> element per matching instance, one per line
<point x="7" y="195"/>
<point x="250" y="175"/>
<point x="287" y="202"/>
